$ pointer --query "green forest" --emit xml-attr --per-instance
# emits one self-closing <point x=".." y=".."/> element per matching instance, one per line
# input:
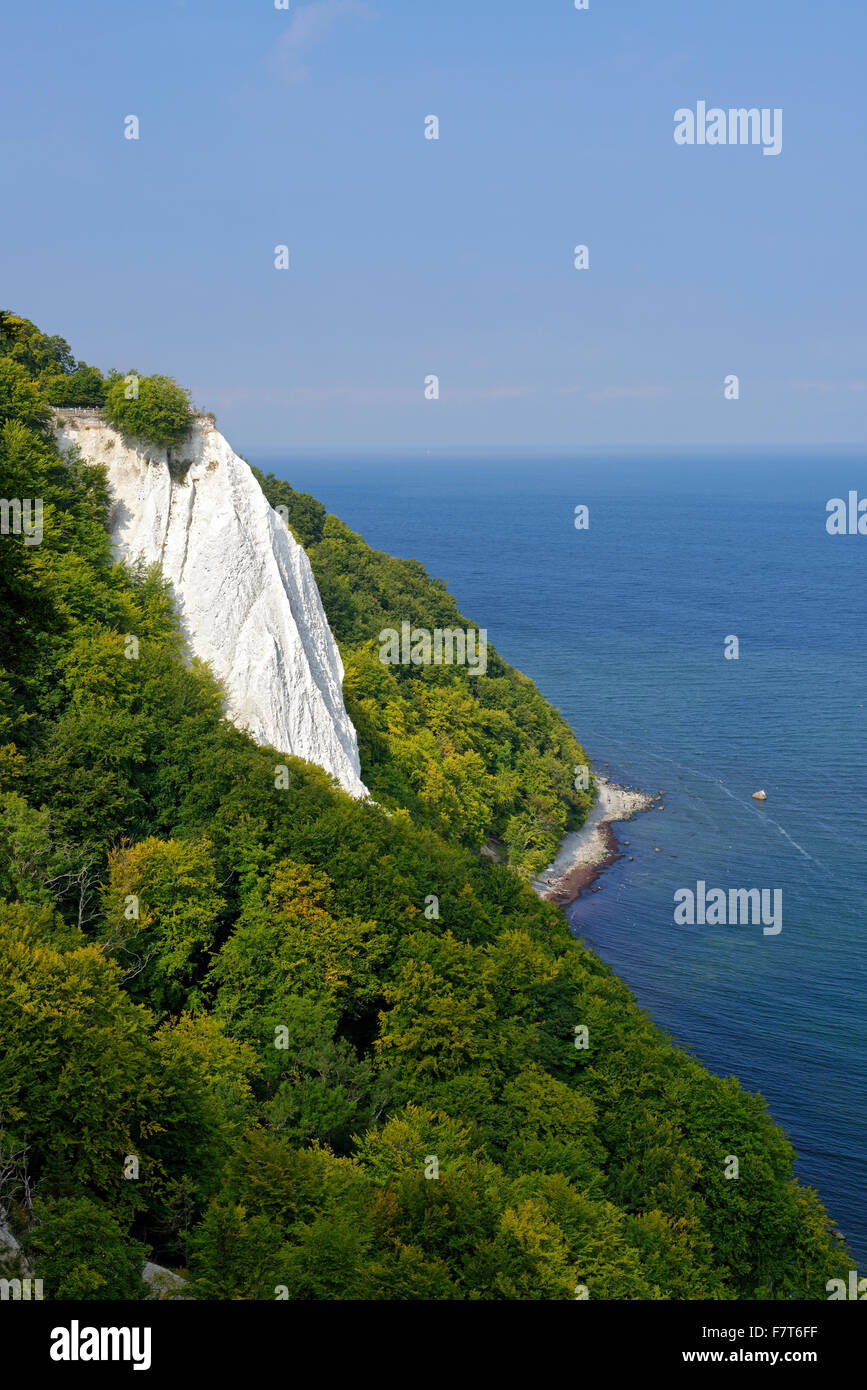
<point x="293" y="1045"/>
<point x="470" y="758"/>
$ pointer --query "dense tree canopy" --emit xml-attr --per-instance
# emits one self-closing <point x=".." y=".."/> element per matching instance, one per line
<point x="470" y="757"/>
<point x="154" y="409"/>
<point x="296" y="1045"/>
<point x="49" y="361"/>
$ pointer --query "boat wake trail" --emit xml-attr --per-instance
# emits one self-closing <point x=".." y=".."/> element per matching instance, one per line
<point x="761" y="816"/>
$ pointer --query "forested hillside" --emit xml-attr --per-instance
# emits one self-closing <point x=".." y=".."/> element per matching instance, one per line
<point x="467" y="755"/>
<point x="296" y="1045"/>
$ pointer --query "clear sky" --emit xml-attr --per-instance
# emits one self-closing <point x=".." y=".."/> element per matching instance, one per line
<point x="411" y="257"/>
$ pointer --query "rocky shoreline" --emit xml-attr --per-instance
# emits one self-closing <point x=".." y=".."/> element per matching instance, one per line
<point x="585" y="853"/>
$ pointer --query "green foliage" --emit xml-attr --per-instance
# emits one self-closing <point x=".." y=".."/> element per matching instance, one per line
<point x="84" y="1253"/>
<point x="40" y="355"/>
<point x="281" y="1037"/>
<point x="77" y="1070"/>
<point x="161" y="908"/>
<point x="20" y="398"/>
<point x="288" y="943"/>
<point x="32" y="864"/>
<point x="83" y="387"/>
<point x="155" y="409"/>
<point x="49" y="362"/>
<point x="231" y="1256"/>
<point x="471" y="757"/>
<point x="306" y="515"/>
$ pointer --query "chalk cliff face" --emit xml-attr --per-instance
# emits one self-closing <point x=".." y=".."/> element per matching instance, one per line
<point x="245" y="591"/>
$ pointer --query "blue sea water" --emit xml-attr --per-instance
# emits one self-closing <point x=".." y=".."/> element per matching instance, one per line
<point x="622" y="626"/>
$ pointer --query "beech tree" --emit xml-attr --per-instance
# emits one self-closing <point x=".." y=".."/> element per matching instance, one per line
<point x="83" y="1252"/>
<point x="408" y="1037"/>
<point x="154" y="409"/>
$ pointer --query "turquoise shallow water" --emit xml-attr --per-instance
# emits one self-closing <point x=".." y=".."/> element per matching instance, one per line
<point x="623" y="626"/>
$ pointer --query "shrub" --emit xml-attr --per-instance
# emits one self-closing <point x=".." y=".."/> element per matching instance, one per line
<point x="158" y="413"/>
<point x="83" y="1253"/>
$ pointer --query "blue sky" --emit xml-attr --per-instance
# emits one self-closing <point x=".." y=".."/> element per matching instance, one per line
<point x="412" y="257"/>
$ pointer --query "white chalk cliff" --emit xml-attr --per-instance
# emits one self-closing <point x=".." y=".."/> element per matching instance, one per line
<point x="244" y="588"/>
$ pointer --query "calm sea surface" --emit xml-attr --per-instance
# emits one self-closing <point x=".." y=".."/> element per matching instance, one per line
<point x="623" y="627"/>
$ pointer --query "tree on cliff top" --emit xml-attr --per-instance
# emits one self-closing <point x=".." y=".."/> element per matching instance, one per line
<point x="49" y="361"/>
<point x="39" y="354"/>
<point x="151" y="408"/>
